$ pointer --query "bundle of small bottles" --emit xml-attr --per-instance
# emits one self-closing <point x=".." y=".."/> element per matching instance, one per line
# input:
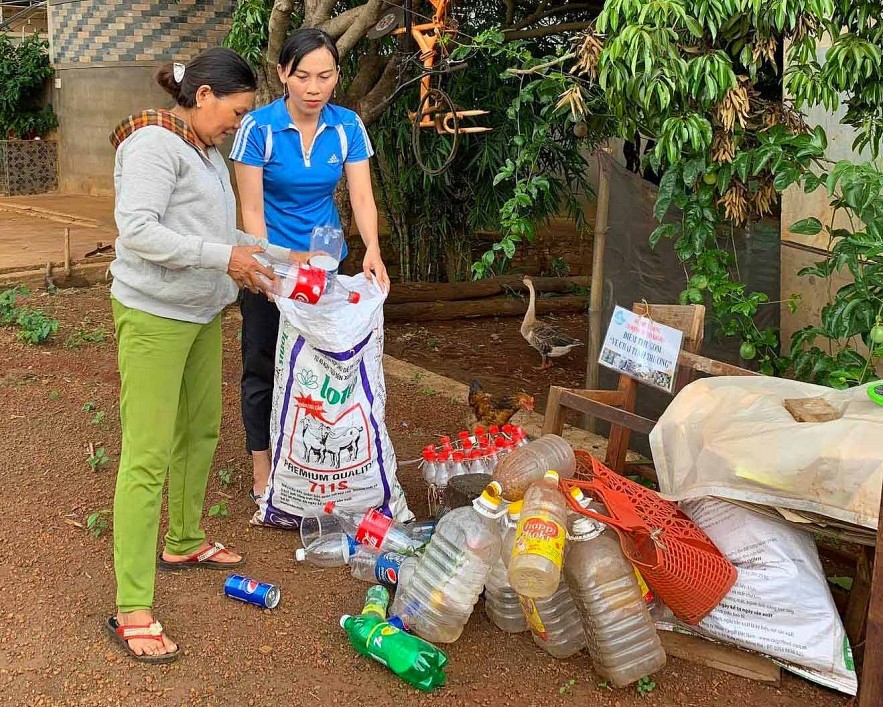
<point x="475" y="452"/>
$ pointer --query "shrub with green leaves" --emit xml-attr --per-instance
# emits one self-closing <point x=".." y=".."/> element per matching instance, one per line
<point x="850" y="330"/>
<point x="24" y="67"/>
<point x="34" y="326"/>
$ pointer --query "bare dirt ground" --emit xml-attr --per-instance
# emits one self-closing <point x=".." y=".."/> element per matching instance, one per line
<point x="492" y="350"/>
<point x="56" y="580"/>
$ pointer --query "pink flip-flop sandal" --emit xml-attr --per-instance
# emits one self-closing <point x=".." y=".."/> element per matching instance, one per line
<point x="201" y="558"/>
<point x="153" y="631"/>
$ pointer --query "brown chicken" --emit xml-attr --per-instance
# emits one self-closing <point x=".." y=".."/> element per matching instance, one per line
<point x="490" y="410"/>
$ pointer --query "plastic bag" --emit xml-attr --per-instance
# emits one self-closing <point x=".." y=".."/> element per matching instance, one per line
<point x="780" y="605"/>
<point x="732" y="437"/>
<point x="328" y="433"/>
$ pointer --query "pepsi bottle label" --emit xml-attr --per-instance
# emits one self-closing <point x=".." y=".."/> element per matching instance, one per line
<point x="386" y="569"/>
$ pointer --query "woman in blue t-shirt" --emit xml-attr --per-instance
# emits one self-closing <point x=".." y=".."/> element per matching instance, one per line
<point x="289" y="157"/>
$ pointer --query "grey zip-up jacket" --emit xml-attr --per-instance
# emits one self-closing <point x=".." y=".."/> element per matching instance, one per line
<point x="176" y="216"/>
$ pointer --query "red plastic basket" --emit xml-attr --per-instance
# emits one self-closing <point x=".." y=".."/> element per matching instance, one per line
<point x="678" y="560"/>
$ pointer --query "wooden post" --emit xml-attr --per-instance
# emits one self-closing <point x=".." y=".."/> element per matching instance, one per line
<point x="596" y="297"/>
<point x="67" y="251"/>
<point x="870" y="692"/>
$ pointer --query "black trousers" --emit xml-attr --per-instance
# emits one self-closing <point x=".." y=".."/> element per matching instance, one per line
<point x="260" y="327"/>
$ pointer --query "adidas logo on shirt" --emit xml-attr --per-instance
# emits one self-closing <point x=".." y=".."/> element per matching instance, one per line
<point x="333" y="159"/>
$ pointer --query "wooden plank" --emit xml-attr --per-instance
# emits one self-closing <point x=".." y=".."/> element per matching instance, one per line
<point x="607" y="412"/>
<point x="712" y="367"/>
<point x="621" y="430"/>
<point x="615" y="398"/>
<point x="720" y="657"/>
<point x="642" y="469"/>
<point x="487" y="307"/>
<point x="553" y="421"/>
<point x="871" y="688"/>
<point x="596" y="303"/>
<point x="811" y="409"/>
<point x="856" y="617"/>
<point x="407" y="292"/>
<point x="689" y="318"/>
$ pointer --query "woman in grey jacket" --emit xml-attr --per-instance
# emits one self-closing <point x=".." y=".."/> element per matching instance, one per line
<point x="180" y="260"/>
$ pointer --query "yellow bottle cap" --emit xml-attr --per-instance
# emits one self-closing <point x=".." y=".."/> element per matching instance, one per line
<point x="551" y="475"/>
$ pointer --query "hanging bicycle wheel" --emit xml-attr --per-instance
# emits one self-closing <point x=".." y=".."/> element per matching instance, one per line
<point x="434" y="132"/>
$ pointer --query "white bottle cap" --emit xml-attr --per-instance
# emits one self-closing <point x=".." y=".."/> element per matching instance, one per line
<point x="343" y="620"/>
<point x="586" y="529"/>
<point x="300" y="554"/>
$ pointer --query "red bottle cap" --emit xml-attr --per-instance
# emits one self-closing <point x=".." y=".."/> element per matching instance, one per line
<point x="329" y="506"/>
<point x="444" y="440"/>
<point x="479" y="430"/>
<point x="353" y="297"/>
<point x="459" y="456"/>
<point x="494" y="429"/>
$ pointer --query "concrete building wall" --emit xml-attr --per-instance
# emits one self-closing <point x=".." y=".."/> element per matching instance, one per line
<point x="105" y="57"/>
<point x="800" y="251"/>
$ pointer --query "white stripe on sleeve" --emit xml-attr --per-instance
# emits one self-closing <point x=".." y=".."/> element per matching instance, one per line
<point x="241" y="141"/>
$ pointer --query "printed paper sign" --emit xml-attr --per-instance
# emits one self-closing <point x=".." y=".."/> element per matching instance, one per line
<point x="642" y="349"/>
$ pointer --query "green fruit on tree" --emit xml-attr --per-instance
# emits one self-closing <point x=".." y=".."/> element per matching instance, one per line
<point x="747" y="351"/>
<point x="877" y="333"/>
<point x="710" y="178"/>
<point x="580" y="129"/>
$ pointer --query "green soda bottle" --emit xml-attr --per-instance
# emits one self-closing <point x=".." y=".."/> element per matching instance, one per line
<point x="416" y="661"/>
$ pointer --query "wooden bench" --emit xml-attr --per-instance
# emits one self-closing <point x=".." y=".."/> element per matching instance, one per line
<point x="618" y="406"/>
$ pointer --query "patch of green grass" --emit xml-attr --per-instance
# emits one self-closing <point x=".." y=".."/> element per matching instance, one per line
<point x="219" y="510"/>
<point x="432" y="343"/>
<point x="98" y="459"/>
<point x="83" y="336"/>
<point x="226" y="476"/>
<point x="89" y="406"/>
<point x="567" y="687"/>
<point x="645" y="686"/>
<point x="97" y="522"/>
<point x="98" y="417"/>
<point x="34" y="326"/>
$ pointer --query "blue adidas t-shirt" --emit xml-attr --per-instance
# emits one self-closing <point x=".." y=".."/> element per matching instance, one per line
<point x="299" y="185"/>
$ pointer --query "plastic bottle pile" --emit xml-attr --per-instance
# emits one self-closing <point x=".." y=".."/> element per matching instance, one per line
<point x="543" y="568"/>
<point x="469" y="452"/>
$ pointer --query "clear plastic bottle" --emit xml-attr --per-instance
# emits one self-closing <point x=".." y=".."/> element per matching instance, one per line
<point x="501" y="603"/>
<point x="430" y="465"/>
<point x="524" y="465"/>
<point x="458" y="465"/>
<point x="535" y="566"/>
<point x="304" y="283"/>
<point x="620" y="632"/>
<point x="378" y="567"/>
<point x="313" y="527"/>
<point x="332" y="550"/>
<point x="437" y="601"/>
<point x="373" y="528"/>
<point x="555" y="623"/>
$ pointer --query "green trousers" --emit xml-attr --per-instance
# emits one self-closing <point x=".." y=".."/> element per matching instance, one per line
<point x="170" y="410"/>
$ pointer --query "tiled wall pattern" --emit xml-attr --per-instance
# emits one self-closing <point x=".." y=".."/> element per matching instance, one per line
<point x="94" y="31"/>
<point x="28" y="166"/>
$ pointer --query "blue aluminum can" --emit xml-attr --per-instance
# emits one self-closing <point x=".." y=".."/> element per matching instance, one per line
<point x="251" y="591"/>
